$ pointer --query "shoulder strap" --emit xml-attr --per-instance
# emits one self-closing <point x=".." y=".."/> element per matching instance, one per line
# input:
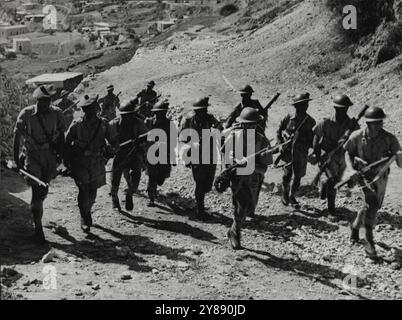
<point x="48" y="137"/>
<point x="85" y="148"/>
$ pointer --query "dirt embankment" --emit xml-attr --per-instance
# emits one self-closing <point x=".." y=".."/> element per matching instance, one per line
<point x="165" y="252"/>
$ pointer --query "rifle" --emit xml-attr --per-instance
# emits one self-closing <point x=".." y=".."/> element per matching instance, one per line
<point x="270" y="104"/>
<point x="367" y="169"/>
<point x="341" y="144"/>
<point x="290" y="140"/>
<point x="146" y="102"/>
<point x="222" y="182"/>
<point x="69" y="107"/>
<point x="9" y="165"/>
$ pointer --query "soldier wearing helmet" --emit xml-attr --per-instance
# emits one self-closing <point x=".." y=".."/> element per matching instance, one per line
<point x="298" y="129"/>
<point x="41" y="128"/>
<point x="128" y="127"/>
<point x="367" y="146"/>
<point x="85" y="145"/>
<point x="246" y="188"/>
<point x="108" y="104"/>
<point x="203" y="173"/>
<point x="158" y="173"/>
<point x="147" y="99"/>
<point x="328" y="133"/>
<point x="246" y="94"/>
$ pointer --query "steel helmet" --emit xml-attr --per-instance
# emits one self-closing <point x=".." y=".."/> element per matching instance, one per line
<point x="246" y="90"/>
<point x="374" y="114"/>
<point x="161" y="106"/>
<point x="342" y="101"/>
<point x="201" y="104"/>
<point x="301" y="98"/>
<point x="249" y="115"/>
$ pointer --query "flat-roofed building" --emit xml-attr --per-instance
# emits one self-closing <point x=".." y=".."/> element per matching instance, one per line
<point x="22" y="45"/>
<point x="64" y="80"/>
<point x="8" y="31"/>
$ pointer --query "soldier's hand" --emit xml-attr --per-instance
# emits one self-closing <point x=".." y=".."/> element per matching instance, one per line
<point x="359" y="163"/>
<point x="17" y="165"/>
<point x="243" y="162"/>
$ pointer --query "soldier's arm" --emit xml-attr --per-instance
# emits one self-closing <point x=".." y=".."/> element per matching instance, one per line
<point x="71" y="136"/>
<point x="16" y="149"/>
<point x="216" y="124"/>
<point x="112" y="137"/>
<point x="19" y="130"/>
<point x="282" y="126"/>
<point x="310" y="134"/>
<point x="349" y="163"/>
<point x="232" y="117"/>
<point x="61" y="127"/>
<point x="396" y="149"/>
<point x="184" y="125"/>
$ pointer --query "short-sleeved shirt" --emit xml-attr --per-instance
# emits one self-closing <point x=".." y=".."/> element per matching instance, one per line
<point x="261" y="142"/>
<point x="304" y="139"/>
<point x="29" y="126"/>
<point x="90" y="136"/>
<point x="331" y="131"/>
<point x="128" y="128"/>
<point x="149" y="96"/>
<point x="372" y="149"/>
<point x="164" y="125"/>
<point x="207" y="122"/>
<point x="108" y="104"/>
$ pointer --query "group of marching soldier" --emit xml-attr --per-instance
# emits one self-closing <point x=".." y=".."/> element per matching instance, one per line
<point x="340" y="148"/>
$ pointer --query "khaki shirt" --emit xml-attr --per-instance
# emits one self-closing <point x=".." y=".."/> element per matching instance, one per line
<point x="331" y="131"/>
<point x="81" y="132"/>
<point x="207" y="122"/>
<point x="108" y="104"/>
<point x="372" y="149"/>
<point x="261" y="142"/>
<point x="29" y="127"/>
<point x="304" y="140"/>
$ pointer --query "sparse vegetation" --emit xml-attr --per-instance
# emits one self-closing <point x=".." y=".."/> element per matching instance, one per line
<point x="228" y="9"/>
<point x="370" y="15"/>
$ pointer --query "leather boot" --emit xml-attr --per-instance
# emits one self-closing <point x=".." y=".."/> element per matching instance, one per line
<point x="129" y="202"/>
<point x="293" y="202"/>
<point x="285" y="196"/>
<point x="331" y="196"/>
<point x="293" y="191"/>
<point x="324" y="191"/>
<point x="151" y="196"/>
<point x="370" y="245"/>
<point x="37" y="213"/>
<point x="85" y="223"/>
<point x="234" y="238"/>
<point x="200" y="198"/>
<point x="354" y="236"/>
<point x="116" y="203"/>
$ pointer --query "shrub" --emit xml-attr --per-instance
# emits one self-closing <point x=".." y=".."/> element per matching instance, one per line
<point x="370" y="14"/>
<point x="228" y="9"/>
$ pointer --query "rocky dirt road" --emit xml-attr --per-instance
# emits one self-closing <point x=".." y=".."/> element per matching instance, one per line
<point x="165" y="252"/>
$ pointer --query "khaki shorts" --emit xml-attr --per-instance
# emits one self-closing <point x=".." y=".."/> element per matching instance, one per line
<point x="41" y="164"/>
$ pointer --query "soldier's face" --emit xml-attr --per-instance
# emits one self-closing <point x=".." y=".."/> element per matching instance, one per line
<point x="246" y="96"/>
<point x="375" y="127"/>
<point x="91" y="111"/>
<point x="43" y="104"/>
<point x="249" y="126"/>
<point x="302" y="107"/>
<point x="201" y="112"/>
<point x="110" y="91"/>
<point x="340" y="112"/>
